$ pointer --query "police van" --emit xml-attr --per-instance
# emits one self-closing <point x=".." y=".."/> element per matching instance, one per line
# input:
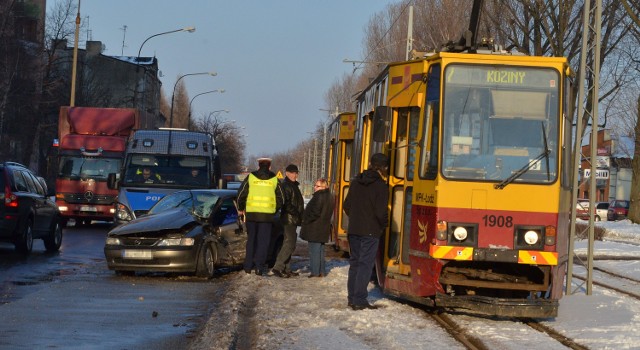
<point x="161" y="161"/>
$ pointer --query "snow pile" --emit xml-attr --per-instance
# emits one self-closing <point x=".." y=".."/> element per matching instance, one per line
<point x="259" y="312"/>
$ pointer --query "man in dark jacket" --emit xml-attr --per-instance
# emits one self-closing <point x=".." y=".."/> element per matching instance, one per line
<point x="259" y="198"/>
<point x="367" y="207"/>
<point x="290" y="218"/>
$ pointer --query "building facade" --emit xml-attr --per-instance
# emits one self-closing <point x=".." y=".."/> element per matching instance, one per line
<point x="613" y="164"/>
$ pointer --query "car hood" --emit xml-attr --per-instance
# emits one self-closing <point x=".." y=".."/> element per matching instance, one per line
<point x="170" y="220"/>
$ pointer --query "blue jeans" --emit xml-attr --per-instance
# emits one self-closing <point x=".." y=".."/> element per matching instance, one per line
<point x="316" y="259"/>
<point x="258" y="238"/>
<point x="363" y="250"/>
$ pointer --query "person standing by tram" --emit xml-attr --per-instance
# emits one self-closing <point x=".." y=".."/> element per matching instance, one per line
<point x="259" y="199"/>
<point x="367" y="207"/>
<point x="316" y="226"/>
<point x="290" y="218"/>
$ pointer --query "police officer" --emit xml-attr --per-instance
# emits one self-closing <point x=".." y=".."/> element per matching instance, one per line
<point x="259" y="199"/>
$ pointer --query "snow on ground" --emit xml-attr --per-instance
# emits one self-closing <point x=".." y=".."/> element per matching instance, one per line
<point x="311" y="313"/>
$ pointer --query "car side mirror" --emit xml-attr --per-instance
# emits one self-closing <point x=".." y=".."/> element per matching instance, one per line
<point x="112" y="181"/>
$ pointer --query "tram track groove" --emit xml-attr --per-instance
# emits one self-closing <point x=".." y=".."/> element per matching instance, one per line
<point x="562" y="339"/>
<point x="457" y="332"/>
<point x="608" y="286"/>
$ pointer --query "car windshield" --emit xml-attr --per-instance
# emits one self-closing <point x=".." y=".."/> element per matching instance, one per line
<point x="621" y="204"/>
<point x="77" y="167"/>
<point x="200" y="202"/>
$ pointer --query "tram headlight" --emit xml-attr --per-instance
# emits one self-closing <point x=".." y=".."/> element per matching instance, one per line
<point x="460" y="233"/>
<point x="531" y="237"/>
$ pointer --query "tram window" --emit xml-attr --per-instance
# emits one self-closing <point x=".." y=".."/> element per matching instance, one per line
<point x="381" y="122"/>
<point x="395" y="228"/>
<point x="414" y="124"/>
<point x="345" y="218"/>
<point x="348" y="155"/>
<point x="406" y="231"/>
<point x="430" y="141"/>
<point x="401" y="144"/>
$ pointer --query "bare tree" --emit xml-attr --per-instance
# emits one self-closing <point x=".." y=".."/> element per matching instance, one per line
<point x="180" y="106"/>
<point x="229" y="140"/>
<point x="341" y="94"/>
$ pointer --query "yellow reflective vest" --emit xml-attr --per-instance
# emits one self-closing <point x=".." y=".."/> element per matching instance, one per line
<point x="261" y="197"/>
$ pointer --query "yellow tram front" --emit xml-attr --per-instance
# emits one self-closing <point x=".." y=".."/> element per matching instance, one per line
<point x="480" y="214"/>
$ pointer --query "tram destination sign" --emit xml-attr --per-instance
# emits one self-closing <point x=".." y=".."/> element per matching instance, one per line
<point x="600" y="173"/>
<point x="501" y="76"/>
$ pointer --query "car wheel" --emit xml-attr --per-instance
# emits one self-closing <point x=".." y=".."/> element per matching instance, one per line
<point x="24" y="244"/>
<point x="53" y="241"/>
<point x="206" y="266"/>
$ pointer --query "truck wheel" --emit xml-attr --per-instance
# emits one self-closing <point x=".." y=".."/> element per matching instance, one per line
<point x="24" y="243"/>
<point x="53" y="241"/>
<point x="206" y="265"/>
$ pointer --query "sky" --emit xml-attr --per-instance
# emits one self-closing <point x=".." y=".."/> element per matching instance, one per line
<point x="275" y="59"/>
<point x="311" y="313"/>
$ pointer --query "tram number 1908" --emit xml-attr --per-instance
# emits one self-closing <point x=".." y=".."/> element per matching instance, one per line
<point x="497" y="220"/>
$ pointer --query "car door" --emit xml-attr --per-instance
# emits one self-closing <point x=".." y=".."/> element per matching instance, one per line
<point x="230" y="232"/>
<point x="44" y="211"/>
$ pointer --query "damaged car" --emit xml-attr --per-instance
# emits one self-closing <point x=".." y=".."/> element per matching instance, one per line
<point x="192" y="231"/>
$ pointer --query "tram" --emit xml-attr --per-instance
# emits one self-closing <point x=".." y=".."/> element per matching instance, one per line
<point x="479" y="180"/>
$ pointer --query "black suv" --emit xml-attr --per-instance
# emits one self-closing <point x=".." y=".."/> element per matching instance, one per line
<point x="27" y="210"/>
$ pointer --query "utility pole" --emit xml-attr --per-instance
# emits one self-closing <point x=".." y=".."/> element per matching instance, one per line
<point x="124" y="35"/>
<point x="587" y="105"/>
<point x="74" y="66"/>
<point x="409" y="33"/>
<point x="315" y="159"/>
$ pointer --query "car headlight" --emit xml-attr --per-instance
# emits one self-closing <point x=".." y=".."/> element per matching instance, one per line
<point x="166" y="242"/>
<point x="123" y="213"/>
<point x="113" y="241"/>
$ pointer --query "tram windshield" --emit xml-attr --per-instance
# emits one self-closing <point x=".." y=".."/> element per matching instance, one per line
<point x="500" y="123"/>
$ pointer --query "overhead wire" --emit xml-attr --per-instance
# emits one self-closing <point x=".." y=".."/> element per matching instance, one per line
<point x="384" y="35"/>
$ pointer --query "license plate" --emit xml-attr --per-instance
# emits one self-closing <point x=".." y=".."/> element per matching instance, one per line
<point x="137" y="254"/>
<point x="91" y="209"/>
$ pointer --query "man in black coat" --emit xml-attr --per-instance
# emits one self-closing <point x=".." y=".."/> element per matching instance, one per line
<point x="367" y="207"/>
<point x="259" y="198"/>
<point x="290" y="218"/>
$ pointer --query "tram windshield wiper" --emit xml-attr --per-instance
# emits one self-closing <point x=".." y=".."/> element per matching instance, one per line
<point x="531" y="164"/>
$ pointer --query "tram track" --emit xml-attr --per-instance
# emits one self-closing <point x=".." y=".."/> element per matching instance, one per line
<point x="473" y="342"/>
<point x="469" y="341"/>
<point x="614" y="288"/>
<point x="568" y="342"/>
<point x="616" y="276"/>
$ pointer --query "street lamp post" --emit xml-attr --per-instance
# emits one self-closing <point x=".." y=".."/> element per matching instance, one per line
<point x="324" y="136"/>
<point x="213" y="74"/>
<point x="200" y="94"/>
<point x="185" y="29"/>
<point x="144" y="76"/>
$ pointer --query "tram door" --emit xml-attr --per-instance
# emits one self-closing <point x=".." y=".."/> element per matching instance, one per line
<point x="402" y="147"/>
